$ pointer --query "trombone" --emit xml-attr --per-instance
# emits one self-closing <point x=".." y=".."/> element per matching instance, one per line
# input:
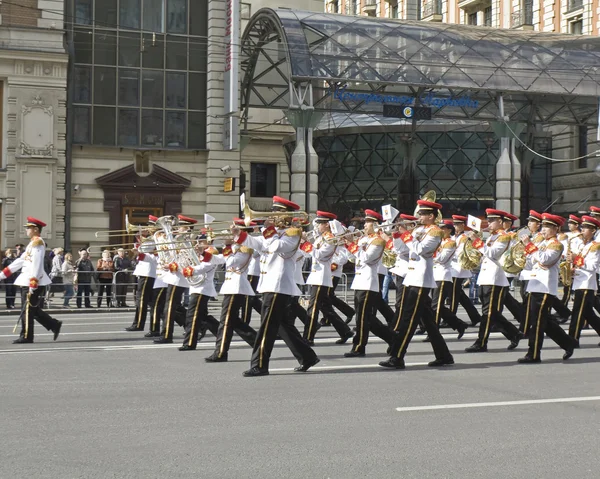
<point x="130" y="229"/>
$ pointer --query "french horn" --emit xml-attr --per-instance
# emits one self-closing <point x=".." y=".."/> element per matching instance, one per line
<point x="430" y="196"/>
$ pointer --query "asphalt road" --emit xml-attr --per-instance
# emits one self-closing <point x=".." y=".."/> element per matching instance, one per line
<point x="101" y="402"/>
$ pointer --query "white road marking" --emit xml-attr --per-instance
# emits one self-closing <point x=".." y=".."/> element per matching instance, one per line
<point x="497" y="404"/>
<point x="66" y="323"/>
<point x="342" y="368"/>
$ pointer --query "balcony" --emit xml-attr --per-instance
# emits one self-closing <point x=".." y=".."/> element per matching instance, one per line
<point x="370" y="7"/>
<point x="574" y="8"/>
<point x="523" y="19"/>
<point x="432" y="11"/>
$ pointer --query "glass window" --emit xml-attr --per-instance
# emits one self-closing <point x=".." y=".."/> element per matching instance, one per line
<point x="246" y="10"/>
<point x="129" y="49"/>
<point x="199" y="18"/>
<point x="197" y="130"/>
<point x="153" y="52"/>
<point x="82" y="40"/>
<point x="105" y="47"/>
<point x="128" y="127"/>
<point x="129" y="13"/>
<point x="83" y="84"/>
<point x="176" y="53"/>
<point x="198" y="54"/>
<point x="154" y="15"/>
<point x="152" y="88"/>
<point x="83" y="12"/>
<point x="129" y="87"/>
<point x="177" y="16"/>
<point x="175" y="90"/>
<point x="105" y="83"/>
<point x="582" y="146"/>
<point x="81" y="124"/>
<point x="197" y="91"/>
<point x="152" y="127"/>
<point x="104" y="125"/>
<point x="175" y="129"/>
<point x="263" y="180"/>
<point x="105" y="13"/>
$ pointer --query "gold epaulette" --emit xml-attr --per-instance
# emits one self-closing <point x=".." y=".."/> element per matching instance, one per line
<point x="449" y="244"/>
<point x="245" y="249"/>
<point x="562" y="237"/>
<point x="37" y="241"/>
<point x="212" y="250"/>
<point x="378" y="242"/>
<point x="538" y="238"/>
<point x="293" y="231"/>
<point x="504" y="238"/>
<point x="328" y="235"/>
<point x="595" y="247"/>
<point x="555" y="245"/>
<point x="435" y="231"/>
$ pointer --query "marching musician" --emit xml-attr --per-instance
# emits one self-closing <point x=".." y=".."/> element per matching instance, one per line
<point x="423" y="242"/>
<point x="251" y="302"/>
<point x="570" y="241"/>
<point x="442" y="274"/>
<point x="320" y="279"/>
<point x="584" y="257"/>
<point x="340" y="258"/>
<point x="459" y="274"/>
<point x="543" y="285"/>
<point x="145" y="270"/>
<point x="534" y="222"/>
<point x="400" y="268"/>
<point x="236" y="290"/>
<point x="368" y="252"/>
<point x="33" y="281"/>
<point x="174" y="312"/>
<point x="381" y="305"/>
<point x="514" y="306"/>
<point x="278" y="246"/>
<point x="595" y="213"/>
<point x="493" y="282"/>
<point x="300" y="257"/>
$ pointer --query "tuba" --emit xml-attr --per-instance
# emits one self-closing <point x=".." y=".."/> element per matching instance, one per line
<point x="187" y="257"/>
<point x="164" y="239"/>
<point x="389" y="258"/>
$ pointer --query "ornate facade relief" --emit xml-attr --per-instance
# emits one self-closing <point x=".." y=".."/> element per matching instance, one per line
<point x="37" y="130"/>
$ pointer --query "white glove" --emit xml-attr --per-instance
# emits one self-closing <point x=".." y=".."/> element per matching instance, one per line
<point x="2" y="276"/>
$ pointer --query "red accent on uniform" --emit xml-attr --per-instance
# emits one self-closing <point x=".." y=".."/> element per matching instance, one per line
<point x="406" y="237"/>
<point x="373" y="215"/>
<point x="593" y="209"/>
<point x="173" y="267"/>
<point x="429" y="204"/>
<point x="510" y="217"/>
<point x="494" y="212"/>
<point x="396" y="235"/>
<point x="578" y="261"/>
<point x="326" y="215"/>
<point x="6" y="272"/>
<point x="141" y="256"/>
<point x="187" y="219"/>
<point x="459" y="218"/>
<point x="242" y="237"/>
<point x="352" y="247"/>
<point x="590" y="220"/>
<point x="408" y="217"/>
<point x="206" y="257"/>
<point x="306" y="247"/>
<point x="31" y="221"/>
<point x="557" y="220"/>
<point x="535" y="215"/>
<point x="33" y="283"/>
<point x="152" y="218"/>
<point x="478" y="243"/>
<point x="269" y="232"/>
<point x="574" y="219"/>
<point x="389" y="244"/>
<point x="278" y="200"/>
<point x="530" y="248"/>
<point x="227" y="251"/>
<point x="188" y="272"/>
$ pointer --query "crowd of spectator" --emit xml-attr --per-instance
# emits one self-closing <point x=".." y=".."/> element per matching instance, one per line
<point x="109" y="278"/>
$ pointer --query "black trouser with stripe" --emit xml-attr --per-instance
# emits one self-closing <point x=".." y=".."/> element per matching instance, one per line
<point x="157" y="308"/>
<point x="230" y="322"/>
<point x="460" y="297"/>
<point x="444" y="291"/>
<point x="297" y="310"/>
<point x="539" y="318"/>
<point x="382" y="306"/>
<point x="413" y="308"/>
<point x="196" y="319"/>
<point x="143" y="298"/>
<point x="515" y="308"/>
<point x="277" y="318"/>
<point x="31" y="308"/>
<point x="566" y="295"/>
<point x="491" y="308"/>
<point x="583" y="310"/>
<point x="339" y="303"/>
<point x="320" y="300"/>
<point x="560" y="307"/>
<point x="365" y="303"/>
<point x="251" y="302"/>
<point x="174" y="312"/>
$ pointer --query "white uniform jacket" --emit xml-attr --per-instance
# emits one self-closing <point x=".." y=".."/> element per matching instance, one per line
<point x="31" y="264"/>
<point x="402" y="254"/>
<point x="322" y="256"/>
<point x="236" y="272"/>
<point x="491" y="273"/>
<point x="254" y="267"/>
<point x="524" y="276"/>
<point x="422" y="244"/>
<point x="368" y="252"/>
<point x="586" y="261"/>
<point x="278" y="259"/>
<point x="158" y="282"/>
<point x="299" y="257"/>
<point x="207" y="268"/>
<point x="146" y="265"/>
<point x="340" y="258"/>
<point x="457" y="270"/>
<point x="545" y="259"/>
<point x="442" y="260"/>
<point x="174" y="278"/>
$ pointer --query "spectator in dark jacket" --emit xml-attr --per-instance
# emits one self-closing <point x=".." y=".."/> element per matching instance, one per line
<point x="85" y="269"/>
<point x="11" y="289"/>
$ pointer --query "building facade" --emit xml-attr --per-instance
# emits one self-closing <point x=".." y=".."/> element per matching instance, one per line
<point x="575" y="183"/>
<point x="33" y="90"/>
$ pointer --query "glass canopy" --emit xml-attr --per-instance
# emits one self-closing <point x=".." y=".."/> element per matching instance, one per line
<point x="360" y="63"/>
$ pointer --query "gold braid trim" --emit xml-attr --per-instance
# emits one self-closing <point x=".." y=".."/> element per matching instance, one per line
<point x="37" y="241"/>
<point x="555" y="246"/>
<point x="378" y="242"/>
<point x="504" y="238"/>
<point x="435" y="231"/>
<point x="449" y="244"/>
<point x="595" y="247"/>
<point x="246" y="249"/>
<point x="293" y="231"/>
